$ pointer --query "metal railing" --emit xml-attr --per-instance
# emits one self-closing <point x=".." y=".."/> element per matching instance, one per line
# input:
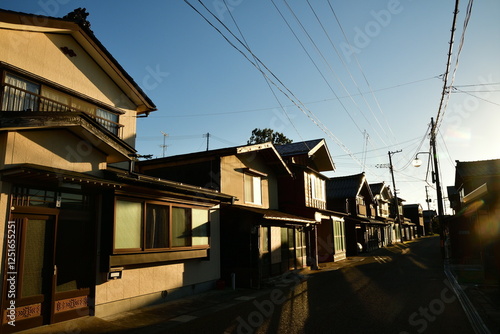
<point x="17" y="99"/>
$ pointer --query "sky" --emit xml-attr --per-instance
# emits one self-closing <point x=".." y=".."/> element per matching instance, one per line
<point x="365" y="75"/>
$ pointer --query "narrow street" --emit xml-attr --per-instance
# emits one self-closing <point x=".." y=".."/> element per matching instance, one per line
<point x="400" y="289"/>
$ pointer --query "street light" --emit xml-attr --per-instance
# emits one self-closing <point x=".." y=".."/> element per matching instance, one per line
<point x="417" y="162"/>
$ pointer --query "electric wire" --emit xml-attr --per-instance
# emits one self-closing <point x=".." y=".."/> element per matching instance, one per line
<point x="267" y="81"/>
<point x="361" y="69"/>
<point x="297" y="103"/>
<point x="460" y="47"/>
<point x="350" y="75"/>
<point x="447" y="71"/>
<point x="477" y="97"/>
<point x="315" y="65"/>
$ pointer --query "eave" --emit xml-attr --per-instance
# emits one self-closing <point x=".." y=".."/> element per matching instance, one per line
<point x="80" y="124"/>
<point x="43" y="24"/>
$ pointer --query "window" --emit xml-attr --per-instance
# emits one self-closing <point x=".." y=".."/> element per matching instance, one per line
<point x="200" y="227"/>
<point x="181" y="227"/>
<point x="157" y="228"/>
<point x="23" y="95"/>
<point x="20" y="94"/>
<point x="128" y="229"/>
<point x="253" y="189"/>
<point x="163" y="226"/>
<point x="107" y="119"/>
<point x="317" y="187"/>
<point x="339" y="236"/>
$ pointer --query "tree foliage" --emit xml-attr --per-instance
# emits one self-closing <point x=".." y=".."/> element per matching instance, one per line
<point x="268" y="135"/>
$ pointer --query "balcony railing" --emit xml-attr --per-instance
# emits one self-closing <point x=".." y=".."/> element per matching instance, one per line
<point x="17" y="99"/>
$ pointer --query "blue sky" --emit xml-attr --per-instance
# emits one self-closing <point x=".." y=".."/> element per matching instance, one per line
<point x="377" y="97"/>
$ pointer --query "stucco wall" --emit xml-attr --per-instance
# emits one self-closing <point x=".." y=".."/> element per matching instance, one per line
<point x="150" y="285"/>
<point x="51" y="148"/>
<point x="232" y="179"/>
<point x="40" y="54"/>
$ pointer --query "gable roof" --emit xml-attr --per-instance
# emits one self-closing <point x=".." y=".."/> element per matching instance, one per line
<point x="272" y="155"/>
<point x="376" y="188"/>
<point x="344" y="186"/>
<point x="76" y="25"/>
<point x="315" y="148"/>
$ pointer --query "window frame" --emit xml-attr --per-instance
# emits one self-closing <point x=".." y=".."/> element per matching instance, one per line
<point x="143" y="247"/>
<point x="253" y="177"/>
<point x="314" y="182"/>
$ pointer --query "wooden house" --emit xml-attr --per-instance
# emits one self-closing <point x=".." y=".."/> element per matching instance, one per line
<point x="258" y="239"/>
<point x="82" y="232"/>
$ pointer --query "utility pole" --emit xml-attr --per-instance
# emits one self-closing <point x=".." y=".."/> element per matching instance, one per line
<point x="164" y="146"/>
<point x="396" y="202"/>
<point x="207" y="135"/>
<point x="427" y="200"/>
<point x="438" y="189"/>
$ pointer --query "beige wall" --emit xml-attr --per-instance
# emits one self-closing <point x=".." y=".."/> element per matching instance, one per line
<point x="143" y="286"/>
<point x="40" y="53"/>
<point x="232" y="179"/>
<point x="51" y="148"/>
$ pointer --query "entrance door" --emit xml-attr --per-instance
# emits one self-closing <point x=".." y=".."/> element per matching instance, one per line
<point x="30" y="275"/>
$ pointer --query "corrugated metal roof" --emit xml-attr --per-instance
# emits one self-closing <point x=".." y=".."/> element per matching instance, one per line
<point x="344" y="186"/>
<point x="298" y="148"/>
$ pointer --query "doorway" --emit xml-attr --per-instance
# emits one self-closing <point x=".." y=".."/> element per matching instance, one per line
<point x="30" y="271"/>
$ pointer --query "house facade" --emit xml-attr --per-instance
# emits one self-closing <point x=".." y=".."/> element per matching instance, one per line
<point x="416" y="214"/>
<point x="352" y="195"/>
<point x="383" y="198"/>
<point x="83" y="233"/>
<point x="305" y="195"/>
<point x="474" y="229"/>
<point x="258" y="239"/>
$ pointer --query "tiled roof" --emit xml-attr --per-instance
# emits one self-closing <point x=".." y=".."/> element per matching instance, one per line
<point x="376" y="188"/>
<point x="297" y="148"/>
<point x="478" y="168"/>
<point x="344" y="186"/>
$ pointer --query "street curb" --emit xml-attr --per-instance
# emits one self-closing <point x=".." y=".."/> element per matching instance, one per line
<point x="474" y="318"/>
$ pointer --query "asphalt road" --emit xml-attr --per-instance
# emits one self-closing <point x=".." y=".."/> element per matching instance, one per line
<point x="400" y="289"/>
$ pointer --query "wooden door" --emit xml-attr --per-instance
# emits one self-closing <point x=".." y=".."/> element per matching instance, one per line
<point x="29" y="278"/>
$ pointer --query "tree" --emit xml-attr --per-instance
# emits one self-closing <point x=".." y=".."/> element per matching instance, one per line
<point x="268" y="135"/>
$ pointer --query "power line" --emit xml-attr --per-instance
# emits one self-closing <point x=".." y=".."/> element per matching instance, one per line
<point x="448" y="65"/>
<point x="361" y="70"/>
<point x="477" y="97"/>
<point x="265" y="78"/>
<point x="297" y="103"/>
<point x="460" y="47"/>
<point x="312" y="60"/>
<point x="287" y="106"/>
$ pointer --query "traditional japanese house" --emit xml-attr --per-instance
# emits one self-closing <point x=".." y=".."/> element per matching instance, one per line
<point x="82" y="232"/>
<point x="258" y="239"/>
<point x="305" y="195"/>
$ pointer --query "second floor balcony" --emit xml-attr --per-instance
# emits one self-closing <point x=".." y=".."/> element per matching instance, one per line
<point x="14" y="98"/>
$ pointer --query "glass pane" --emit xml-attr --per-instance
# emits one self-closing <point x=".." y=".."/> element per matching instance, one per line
<point x="264" y="239"/>
<point x="20" y="97"/>
<point x="34" y="254"/>
<point x="181" y="230"/>
<point x="74" y="268"/>
<point x="128" y="224"/>
<point x="201" y="227"/>
<point x="248" y="188"/>
<point x="108" y="120"/>
<point x="157" y="231"/>
<point x="257" y="191"/>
